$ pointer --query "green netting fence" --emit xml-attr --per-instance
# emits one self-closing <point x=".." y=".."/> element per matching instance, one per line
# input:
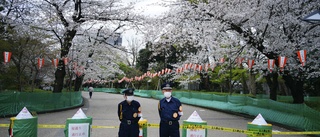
<point x="11" y="103"/>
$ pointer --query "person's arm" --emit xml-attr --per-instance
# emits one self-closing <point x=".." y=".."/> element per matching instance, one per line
<point x="139" y="111"/>
<point x="180" y="112"/>
<point x="120" y="111"/>
<point x="159" y="109"/>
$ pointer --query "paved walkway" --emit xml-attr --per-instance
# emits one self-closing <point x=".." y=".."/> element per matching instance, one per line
<point x="103" y="109"/>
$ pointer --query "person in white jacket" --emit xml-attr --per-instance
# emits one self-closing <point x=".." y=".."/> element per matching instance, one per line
<point x="90" y="89"/>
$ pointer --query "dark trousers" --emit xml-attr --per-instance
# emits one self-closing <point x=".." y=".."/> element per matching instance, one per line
<point x="126" y="130"/>
<point x="169" y="129"/>
<point x="90" y="94"/>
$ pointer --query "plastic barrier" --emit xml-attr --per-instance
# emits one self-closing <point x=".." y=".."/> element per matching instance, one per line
<point x="193" y="126"/>
<point x="143" y="127"/>
<point x="190" y="129"/>
<point x="23" y="127"/>
<point x="78" y="127"/>
<point x="259" y="130"/>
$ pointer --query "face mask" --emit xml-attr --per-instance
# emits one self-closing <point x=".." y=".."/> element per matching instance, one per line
<point x="129" y="98"/>
<point x="167" y="94"/>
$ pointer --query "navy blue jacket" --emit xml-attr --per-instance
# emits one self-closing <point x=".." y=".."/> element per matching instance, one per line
<point x="169" y="111"/>
<point x="128" y="111"/>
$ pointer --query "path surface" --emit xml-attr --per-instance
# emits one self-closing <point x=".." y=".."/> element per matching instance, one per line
<point x="103" y="109"/>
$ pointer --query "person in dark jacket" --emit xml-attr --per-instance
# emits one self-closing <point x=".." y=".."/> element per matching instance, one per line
<point x="170" y="111"/>
<point x="129" y="113"/>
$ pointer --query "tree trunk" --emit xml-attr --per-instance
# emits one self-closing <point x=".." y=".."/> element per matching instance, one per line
<point x="78" y="83"/>
<point x="244" y="84"/>
<point x="252" y="84"/>
<point x="204" y="84"/>
<point x="59" y="77"/>
<point x="273" y="84"/>
<point x="61" y="71"/>
<point x="34" y="77"/>
<point x="296" y="87"/>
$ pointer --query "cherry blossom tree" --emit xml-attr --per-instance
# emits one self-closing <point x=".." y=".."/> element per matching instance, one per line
<point x="258" y="30"/>
<point x="67" y="21"/>
<point x="134" y="45"/>
<point x="26" y="44"/>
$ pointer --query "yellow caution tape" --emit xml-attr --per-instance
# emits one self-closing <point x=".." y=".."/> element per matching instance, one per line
<point x="4" y="125"/>
<point x="104" y="126"/>
<point x="50" y="126"/>
<point x="297" y="133"/>
<point x="153" y="125"/>
<point x="252" y="132"/>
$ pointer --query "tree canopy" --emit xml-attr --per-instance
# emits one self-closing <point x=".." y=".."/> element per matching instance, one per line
<point x="255" y="30"/>
<point x="197" y="32"/>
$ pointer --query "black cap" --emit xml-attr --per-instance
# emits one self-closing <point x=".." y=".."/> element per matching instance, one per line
<point x="166" y="86"/>
<point x="128" y="92"/>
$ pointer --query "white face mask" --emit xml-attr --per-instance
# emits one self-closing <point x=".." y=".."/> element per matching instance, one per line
<point x="129" y="98"/>
<point x="167" y="94"/>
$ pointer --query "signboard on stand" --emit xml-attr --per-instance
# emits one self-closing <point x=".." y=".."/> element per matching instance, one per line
<point x="196" y="133"/>
<point x="78" y="130"/>
<point x="194" y="119"/>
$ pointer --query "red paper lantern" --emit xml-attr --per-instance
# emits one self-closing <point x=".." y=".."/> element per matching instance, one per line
<point x="302" y="54"/>
<point x="40" y="63"/>
<point x="7" y="56"/>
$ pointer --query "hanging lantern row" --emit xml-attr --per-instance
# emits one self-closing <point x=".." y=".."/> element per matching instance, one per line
<point x="196" y="67"/>
<point x="189" y="67"/>
<point x="271" y="62"/>
<point x="55" y="62"/>
<point x="79" y="70"/>
<point x="96" y="81"/>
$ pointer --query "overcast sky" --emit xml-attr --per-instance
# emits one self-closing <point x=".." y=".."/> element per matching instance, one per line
<point x="151" y="8"/>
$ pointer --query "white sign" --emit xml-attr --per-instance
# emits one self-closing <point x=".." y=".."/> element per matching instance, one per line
<point x="196" y="133"/>
<point x="24" y="114"/>
<point x="194" y="117"/>
<point x="259" y="120"/>
<point x="79" y="115"/>
<point x="78" y="130"/>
